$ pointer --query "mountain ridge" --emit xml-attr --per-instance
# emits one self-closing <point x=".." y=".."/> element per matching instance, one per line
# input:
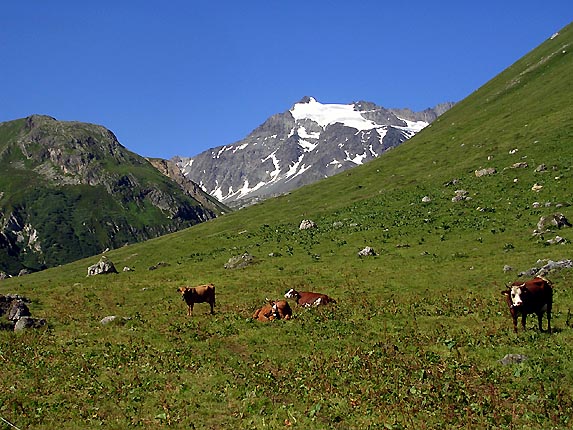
<point x="308" y="142"/>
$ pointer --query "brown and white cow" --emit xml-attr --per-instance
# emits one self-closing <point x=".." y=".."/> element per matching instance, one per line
<point x="308" y="299"/>
<point x="273" y="310"/>
<point x="198" y="294"/>
<point x="530" y="297"/>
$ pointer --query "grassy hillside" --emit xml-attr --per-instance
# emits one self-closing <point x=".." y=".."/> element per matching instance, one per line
<point x="69" y="190"/>
<point x="417" y="335"/>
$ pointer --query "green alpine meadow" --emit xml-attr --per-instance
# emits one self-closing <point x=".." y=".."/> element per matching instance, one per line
<point x="419" y="331"/>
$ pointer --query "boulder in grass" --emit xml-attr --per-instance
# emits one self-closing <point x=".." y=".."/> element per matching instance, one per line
<point x="102" y="267"/>
<point x="307" y="224"/>
<point x="29" y="322"/>
<point x="368" y="251"/>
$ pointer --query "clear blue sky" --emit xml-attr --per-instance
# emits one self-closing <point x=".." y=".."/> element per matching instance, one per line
<point x="177" y="77"/>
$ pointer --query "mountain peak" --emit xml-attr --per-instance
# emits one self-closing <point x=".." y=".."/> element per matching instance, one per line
<point x="310" y="141"/>
<point x="306" y="99"/>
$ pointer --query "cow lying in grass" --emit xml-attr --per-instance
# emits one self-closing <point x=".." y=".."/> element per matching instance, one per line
<point x="273" y="310"/>
<point x="530" y="297"/>
<point x="308" y="299"/>
<point x="198" y="294"/>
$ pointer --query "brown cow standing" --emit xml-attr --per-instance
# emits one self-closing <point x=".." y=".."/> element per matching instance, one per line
<point x="307" y="299"/>
<point x="198" y="294"/>
<point x="273" y="310"/>
<point x="531" y="297"/>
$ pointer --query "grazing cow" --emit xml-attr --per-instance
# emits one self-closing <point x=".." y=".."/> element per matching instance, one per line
<point x="273" y="310"/>
<point x="307" y="299"/>
<point x="531" y="297"/>
<point x="198" y="294"/>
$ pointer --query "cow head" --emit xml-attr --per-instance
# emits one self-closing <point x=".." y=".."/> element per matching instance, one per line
<point x="275" y="310"/>
<point x="292" y="294"/>
<point x="515" y="293"/>
<point x="184" y="291"/>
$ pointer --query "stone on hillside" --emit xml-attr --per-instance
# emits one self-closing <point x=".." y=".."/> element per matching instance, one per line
<point x="513" y="359"/>
<point x="240" y="261"/>
<point x="557" y="220"/>
<point x="521" y="165"/>
<point x="454" y="181"/>
<point x="18" y="309"/>
<point x="541" y="168"/>
<point x="6" y="302"/>
<point x="3" y="276"/>
<point x="557" y="241"/>
<point x="368" y="251"/>
<point x="29" y="322"/>
<point x="159" y="265"/>
<point x="507" y="268"/>
<point x="547" y="267"/>
<point x="108" y="319"/>
<point x="102" y="267"/>
<point x="536" y="188"/>
<point x="307" y="224"/>
<point x="426" y="199"/>
<point x="485" y="172"/>
<point x="460" y="195"/>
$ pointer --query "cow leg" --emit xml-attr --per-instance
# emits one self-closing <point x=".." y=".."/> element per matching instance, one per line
<point x="514" y="318"/>
<point x="212" y="307"/>
<point x="190" y="310"/>
<point x="523" y="318"/>
<point x="540" y="320"/>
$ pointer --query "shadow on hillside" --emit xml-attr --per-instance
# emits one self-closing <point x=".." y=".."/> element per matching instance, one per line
<point x="6" y="326"/>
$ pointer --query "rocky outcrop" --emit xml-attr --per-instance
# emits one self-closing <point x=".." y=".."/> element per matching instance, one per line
<point x="15" y="308"/>
<point x="170" y="169"/>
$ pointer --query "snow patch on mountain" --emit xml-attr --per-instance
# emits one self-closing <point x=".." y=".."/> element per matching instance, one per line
<point x="325" y="114"/>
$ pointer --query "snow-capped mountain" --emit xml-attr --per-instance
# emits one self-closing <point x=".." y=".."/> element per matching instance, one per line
<point x="309" y="142"/>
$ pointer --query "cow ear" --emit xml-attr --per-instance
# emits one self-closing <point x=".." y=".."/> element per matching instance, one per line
<point x="505" y="293"/>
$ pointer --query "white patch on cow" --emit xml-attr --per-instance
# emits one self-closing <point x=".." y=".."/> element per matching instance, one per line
<point x="275" y="310"/>
<point x="290" y="294"/>
<point x="515" y="295"/>
<point x="317" y="302"/>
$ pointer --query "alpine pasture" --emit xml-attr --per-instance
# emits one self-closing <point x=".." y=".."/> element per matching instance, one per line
<point x="418" y="331"/>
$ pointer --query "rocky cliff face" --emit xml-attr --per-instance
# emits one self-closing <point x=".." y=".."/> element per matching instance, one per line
<point x="308" y="142"/>
<point x="170" y="169"/>
<point x="70" y="190"/>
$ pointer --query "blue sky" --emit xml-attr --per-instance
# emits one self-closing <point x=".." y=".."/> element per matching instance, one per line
<point x="178" y="77"/>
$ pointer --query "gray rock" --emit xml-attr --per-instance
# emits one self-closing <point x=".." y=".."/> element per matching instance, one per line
<point x="240" y="261"/>
<point x="485" y="172"/>
<point x="18" y="310"/>
<point x="307" y="224"/>
<point x="102" y="267"/>
<point x="29" y="322"/>
<point x="513" y="359"/>
<point x="368" y="251"/>
<point x="108" y="319"/>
